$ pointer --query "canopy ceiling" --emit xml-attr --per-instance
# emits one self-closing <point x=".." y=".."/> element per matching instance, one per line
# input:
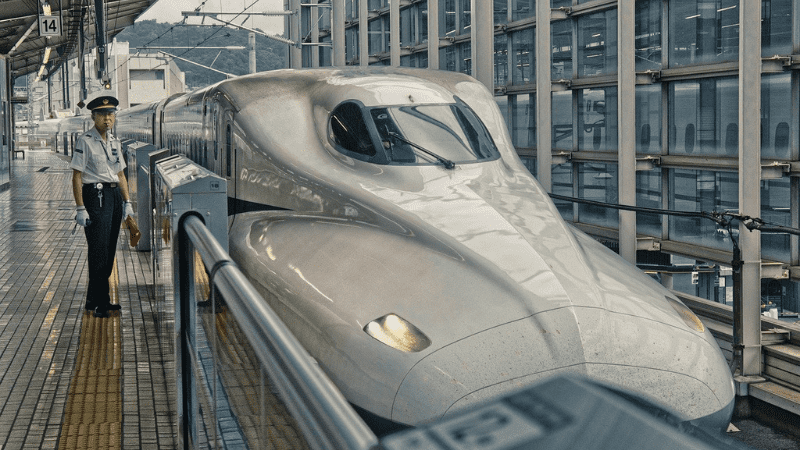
<point x="20" y="38"/>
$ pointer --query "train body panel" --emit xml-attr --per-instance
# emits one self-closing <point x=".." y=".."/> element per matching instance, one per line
<point x="417" y="287"/>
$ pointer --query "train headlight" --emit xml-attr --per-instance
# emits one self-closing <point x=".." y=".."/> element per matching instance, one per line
<point x="397" y="333"/>
<point x="687" y="315"/>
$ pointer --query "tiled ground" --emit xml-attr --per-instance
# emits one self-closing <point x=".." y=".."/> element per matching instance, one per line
<point x="42" y="287"/>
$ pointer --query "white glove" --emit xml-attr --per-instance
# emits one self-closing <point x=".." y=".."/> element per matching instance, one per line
<point x="82" y="217"/>
<point x="127" y="211"/>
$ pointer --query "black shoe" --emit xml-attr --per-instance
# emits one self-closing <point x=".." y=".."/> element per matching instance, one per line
<point x="100" y="312"/>
<point x="90" y="307"/>
<point x="113" y="307"/>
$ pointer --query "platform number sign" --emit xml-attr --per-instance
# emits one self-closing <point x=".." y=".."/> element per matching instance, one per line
<point x="49" y="25"/>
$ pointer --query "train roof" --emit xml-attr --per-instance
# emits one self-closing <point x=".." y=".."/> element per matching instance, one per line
<point x="371" y="85"/>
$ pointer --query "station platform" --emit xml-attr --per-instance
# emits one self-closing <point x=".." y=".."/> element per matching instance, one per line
<point x="70" y="380"/>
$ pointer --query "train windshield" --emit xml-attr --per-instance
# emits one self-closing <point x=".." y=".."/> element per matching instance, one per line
<point x="420" y="134"/>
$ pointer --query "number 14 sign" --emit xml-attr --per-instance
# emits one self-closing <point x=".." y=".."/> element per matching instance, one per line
<point x="49" y="25"/>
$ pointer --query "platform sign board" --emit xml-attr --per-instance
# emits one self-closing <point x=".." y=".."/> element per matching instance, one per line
<point x="49" y="25"/>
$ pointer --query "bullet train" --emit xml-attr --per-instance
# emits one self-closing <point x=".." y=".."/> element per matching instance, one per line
<point x="383" y="213"/>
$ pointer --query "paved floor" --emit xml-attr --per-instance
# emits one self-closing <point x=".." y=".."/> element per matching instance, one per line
<point x="44" y="331"/>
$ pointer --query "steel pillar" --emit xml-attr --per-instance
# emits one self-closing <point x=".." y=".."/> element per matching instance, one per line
<point x="337" y="30"/>
<point x="482" y="35"/>
<point x="747" y="305"/>
<point x="626" y="110"/>
<point x="544" y="100"/>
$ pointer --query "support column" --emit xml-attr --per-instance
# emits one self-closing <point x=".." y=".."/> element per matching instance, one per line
<point x="296" y="50"/>
<point x="544" y="100"/>
<point x="626" y="110"/>
<point x="482" y="35"/>
<point x="251" y="47"/>
<point x="433" y="34"/>
<point x="394" y="33"/>
<point x="337" y="31"/>
<point x="315" y="13"/>
<point x="747" y="306"/>
<point x="363" y="33"/>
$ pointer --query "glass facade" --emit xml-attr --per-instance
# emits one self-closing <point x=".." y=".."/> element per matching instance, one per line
<point x="686" y="114"/>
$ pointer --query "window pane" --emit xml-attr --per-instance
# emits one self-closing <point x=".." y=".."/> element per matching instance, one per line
<point x="561" y="40"/>
<point x="501" y="60"/>
<point x="597" y="43"/>
<point x="597" y="119"/>
<point x="524" y="123"/>
<point x="562" y="185"/>
<point x="523" y="48"/>
<point x="776" y="210"/>
<point x="648" y="35"/>
<point x="465" y="17"/>
<point x="648" y="119"/>
<point x="703" y="116"/>
<point x="562" y="120"/>
<point x="648" y="195"/>
<point x="560" y="3"/>
<point x="500" y="12"/>
<point x="704" y="31"/>
<point x="776" y="115"/>
<point x="598" y="182"/>
<point x="776" y="27"/>
<point x="700" y="190"/>
<point x="523" y="9"/>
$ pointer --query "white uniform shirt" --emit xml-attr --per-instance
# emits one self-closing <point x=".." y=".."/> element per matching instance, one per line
<point x="98" y="160"/>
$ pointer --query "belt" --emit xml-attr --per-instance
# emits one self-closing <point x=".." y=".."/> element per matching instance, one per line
<point x="99" y="186"/>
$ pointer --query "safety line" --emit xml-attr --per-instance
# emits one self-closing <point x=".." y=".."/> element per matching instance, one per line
<point x="93" y="415"/>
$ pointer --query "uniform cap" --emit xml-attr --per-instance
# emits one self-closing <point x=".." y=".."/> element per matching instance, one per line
<point x="105" y="104"/>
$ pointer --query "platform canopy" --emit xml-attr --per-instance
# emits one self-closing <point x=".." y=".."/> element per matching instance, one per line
<point x="24" y="25"/>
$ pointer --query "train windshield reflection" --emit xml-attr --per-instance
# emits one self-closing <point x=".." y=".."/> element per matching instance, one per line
<point x="450" y="131"/>
<point x="419" y="134"/>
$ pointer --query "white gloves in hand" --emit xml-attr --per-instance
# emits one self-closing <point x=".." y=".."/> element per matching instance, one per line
<point x="127" y="211"/>
<point x="82" y="217"/>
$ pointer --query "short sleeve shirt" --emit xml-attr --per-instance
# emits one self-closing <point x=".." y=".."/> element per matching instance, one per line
<point x="99" y="161"/>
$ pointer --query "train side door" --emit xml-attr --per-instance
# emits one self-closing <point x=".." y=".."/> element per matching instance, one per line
<point x="228" y="165"/>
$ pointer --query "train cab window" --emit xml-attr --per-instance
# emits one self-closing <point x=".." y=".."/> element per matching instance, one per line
<point x="349" y="130"/>
<point x="412" y="134"/>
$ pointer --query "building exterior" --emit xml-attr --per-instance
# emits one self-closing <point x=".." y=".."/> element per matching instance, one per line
<point x="648" y="103"/>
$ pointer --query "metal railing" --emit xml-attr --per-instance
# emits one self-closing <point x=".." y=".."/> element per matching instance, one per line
<point x="326" y="419"/>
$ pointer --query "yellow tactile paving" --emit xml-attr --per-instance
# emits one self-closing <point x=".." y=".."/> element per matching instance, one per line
<point x="93" y="415"/>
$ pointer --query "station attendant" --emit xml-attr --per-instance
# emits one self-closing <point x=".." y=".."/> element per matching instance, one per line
<point x="101" y="198"/>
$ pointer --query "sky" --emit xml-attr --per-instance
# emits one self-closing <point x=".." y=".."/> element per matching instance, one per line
<point x="169" y="11"/>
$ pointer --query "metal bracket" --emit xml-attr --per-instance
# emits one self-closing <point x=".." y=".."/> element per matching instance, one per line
<point x="776" y="64"/>
<point x="560" y="85"/>
<point x="647" y="163"/>
<point x="649" y="244"/>
<point x="560" y="13"/>
<point x="647" y="77"/>
<point x="775" y="170"/>
<point x="560" y="158"/>
<point x="777" y="271"/>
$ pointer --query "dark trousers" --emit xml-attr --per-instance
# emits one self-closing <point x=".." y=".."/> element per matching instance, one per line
<point x="101" y="237"/>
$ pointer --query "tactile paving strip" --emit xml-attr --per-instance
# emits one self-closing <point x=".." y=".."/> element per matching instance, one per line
<point x="93" y="415"/>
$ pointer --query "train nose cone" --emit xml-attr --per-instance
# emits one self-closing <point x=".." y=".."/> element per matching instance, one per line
<point x="677" y="369"/>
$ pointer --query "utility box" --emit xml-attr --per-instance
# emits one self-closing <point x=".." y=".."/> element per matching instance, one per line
<point x="139" y="187"/>
<point x="181" y="186"/>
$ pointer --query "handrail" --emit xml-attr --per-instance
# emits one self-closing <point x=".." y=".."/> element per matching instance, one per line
<point x="326" y="418"/>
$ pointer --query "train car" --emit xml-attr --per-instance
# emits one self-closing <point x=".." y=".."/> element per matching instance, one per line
<point x="383" y="213"/>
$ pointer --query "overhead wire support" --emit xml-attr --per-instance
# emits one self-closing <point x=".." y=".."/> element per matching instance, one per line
<point x="229" y="75"/>
<point x="221" y="13"/>
<point x="269" y="36"/>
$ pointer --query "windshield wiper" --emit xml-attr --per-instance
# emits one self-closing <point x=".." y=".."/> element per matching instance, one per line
<point x="445" y="162"/>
